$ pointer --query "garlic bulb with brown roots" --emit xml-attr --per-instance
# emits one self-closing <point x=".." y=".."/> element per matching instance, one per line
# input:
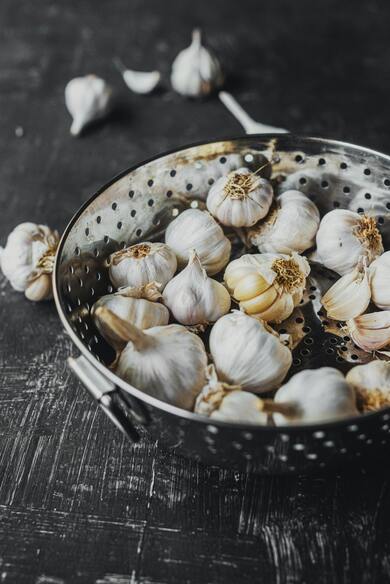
<point x="371" y="382"/>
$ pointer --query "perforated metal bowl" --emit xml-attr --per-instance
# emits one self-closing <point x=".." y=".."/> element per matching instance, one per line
<point x="137" y="206"/>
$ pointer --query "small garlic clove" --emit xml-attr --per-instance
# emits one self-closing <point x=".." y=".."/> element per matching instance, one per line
<point x="371" y="382"/>
<point x="254" y="284"/>
<point x="141" y="82"/>
<point x="39" y="288"/>
<point x="380" y="281"/>
<point x="349" y="296"/>
<point x="370" y="332"/>
<point x="196" y="71"/>
<point x="261" y="302"/>
<point x="276" y="312"/>
<point x="87" y="99"/>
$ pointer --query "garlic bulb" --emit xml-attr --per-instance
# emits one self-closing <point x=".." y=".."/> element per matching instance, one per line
<point x="380" y="281"/>
<point x="193" y="297"/>
<point x="166" y="362"/>
<point x="344" y="237"/>
<point x="267" y="286"/>
<point x="314" y="395"/>
<point x="247" y="353"/>
<point x="291" y="226"/>
<point x="196" y="71"/>
<point x="350" y="295"/>
<point x="138" y="306"/>
<point x="141" y="82"/>
<point x="141" y="264"/>
<point x="240" y="199"/>
<point x="87" y="99"/>
<point x="195" y="229"/>
<point x="27" y="260"/>
<point x="228" y="403"/>
<point x="370" y="332"/>
<point x="372" y="385"/>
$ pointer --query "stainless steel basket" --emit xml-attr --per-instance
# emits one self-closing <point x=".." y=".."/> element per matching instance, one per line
<point x="136" y="206"/>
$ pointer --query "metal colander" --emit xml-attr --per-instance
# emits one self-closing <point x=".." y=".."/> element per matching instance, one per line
<point x="137" y="206"/>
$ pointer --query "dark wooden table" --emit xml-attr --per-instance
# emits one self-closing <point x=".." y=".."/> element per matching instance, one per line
<point x="77" y="503"/>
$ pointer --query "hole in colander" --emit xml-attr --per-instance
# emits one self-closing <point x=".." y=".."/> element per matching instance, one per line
<point x="98" y="219"/>
<point x="367" y="171"/>
<point x="138" y="232"/>
<point x="151" y="202"/>
<point x="150" y="183"/>
<point x="346" y="190"/>
<point x="222" y="160"/>
<point x="336" y="204"/>
<point x="86" y="268"/>
<point x="380" y="220"/>
<point x="71" y="269"/>
<point x="106" y="239"/>
<point x="302" y="180"/>
<point x="189" y="186"/>
<point x="96" y="252"/>
<point x="211" y="181"/>
<point x="173" y="172"/>
<point x="298" y="158"/>
<point x="131" y="194"/>
<point x="360" y="210"/>
<point x="87" y="231"/>
<point x="169" y="194"/>
<point x="321" y="161"/>
<point x="386" y="182"/>
<point x="77" y="250"/>
<point x="367" y="196"/>
<point x="387" y="205"/>
<point x="114" y="206"/>
<point x="343" y="165"/>
<point x="133" y="213"/>
<point x="324" y="184"/>
<point x="297" y="361"/>
<point x="119" y="225"/>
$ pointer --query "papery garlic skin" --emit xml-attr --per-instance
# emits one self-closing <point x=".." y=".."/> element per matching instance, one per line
<point x="349" y="296"/>
<point x="195" y="229"/>
<point x="315" y="395"/>
<point x="196" y="71"/>
<point x="166" y="362"/>
<point x="268" y="286"/>
<point x="87" y="99"/>
<point x="248" y="354"/>
<point x="380" y="281"/>
<point x="240" y="199"/>
<point x="137" y="306"/>
<point x="28" y="258"/>
<point x="344" y="237"/>
<point x="291" y="226"/>
<point x="370" y="332"/>
<point x="371" y="382"/>
<point x="193" y="297"/>
<point x="141" y="264"/>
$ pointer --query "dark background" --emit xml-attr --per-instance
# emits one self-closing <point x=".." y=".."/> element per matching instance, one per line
<point x="77" y="503"/>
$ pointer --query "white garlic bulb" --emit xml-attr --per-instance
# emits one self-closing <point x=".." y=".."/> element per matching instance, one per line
<point x="228" y="403"/>
<point x="27" y="260"/>
<point x="291" y="226"/>
<point x="344" y="237"/>
<point x="350" y="295"/>
<point x="193" y="297"/>
<point x="268" y="286"/>
<point x="166" y="362"/>
<point x="141" y="264"/>
<point x="247" y="353"/>
<point x="87" y="99"/>
<point x="240" y="199"/>
<point x="195" y="229"/>
<point x="314" y="395"/>
<point x="139" y="306"/>
<point x="370" y="332"/>
<point x="196" y="71"/>
<point x="371" y="383"/>
<point x="380" y="281"/>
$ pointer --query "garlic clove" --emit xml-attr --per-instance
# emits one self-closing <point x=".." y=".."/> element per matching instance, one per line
<point x="195" y="229"/>
<point x="371" y="383"/>
<point x="246" y="288"/>
<point x="370" y="331"/>
<point x="261" y="302"/>
<point x="349" y="296"/>
<point x="315" y="395"/>
<point x="240" y="407"/>
<point x="141" y="82"/>
<point x="277" y="311"/>
<point x="380" y="281"/>
<point x="87" y="99"/>
<point x="193" y="297"/>
<point x="196" y="71"/>
<point x="240" y="199"/>
<point x="142" y="263"/>
<point x="39" y="288"/>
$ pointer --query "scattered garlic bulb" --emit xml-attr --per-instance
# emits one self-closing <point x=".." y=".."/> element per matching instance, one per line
<point x="380" y="281"/>
<point x="196" y="71"/>
<point x="166" y="362"/>
<point x="141" y="264"/>
<point x="371" y="382"/>
<point x="267" y="286"/>
<point x="28" y="258"/>
<point x="142" y="82"/>
<point x="138" y="306"/>
<point x="240" y="199"/>
<point x="228" y="403"/>
<point x="195" y="229"/>
<point x="350" y="295"/>
<point x="344" y="236"/>
<point x="370" y="332"/>
<point x="314" y="395"/>
<point x="247" y="353"/>
<point x="193" y="297"/>
<point x="87" y="99"/>
<point x="291" y="226"/>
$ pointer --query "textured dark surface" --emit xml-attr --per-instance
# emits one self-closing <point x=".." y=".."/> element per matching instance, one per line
<point x="77" y="504"/>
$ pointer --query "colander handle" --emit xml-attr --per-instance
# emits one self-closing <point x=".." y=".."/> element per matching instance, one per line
<point x="109" y="397"/>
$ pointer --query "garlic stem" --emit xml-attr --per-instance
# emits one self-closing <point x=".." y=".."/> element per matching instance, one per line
<point x="124" y="330"/>
<point x="288" y="409"/>
<point x="248" y="123"/>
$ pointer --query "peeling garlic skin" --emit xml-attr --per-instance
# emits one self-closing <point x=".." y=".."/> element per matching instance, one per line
<point x="240" y="199"/>
<point x="87" y="99"/>
<point x="380" y="281"/>
<point x="371" y="331"/>
<point x="198" y="230"/>
<point x="350" y="296"/>
<point x="246" y="353"/>
<point x="316" y="395"/>
<point x="344" y="237"/>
